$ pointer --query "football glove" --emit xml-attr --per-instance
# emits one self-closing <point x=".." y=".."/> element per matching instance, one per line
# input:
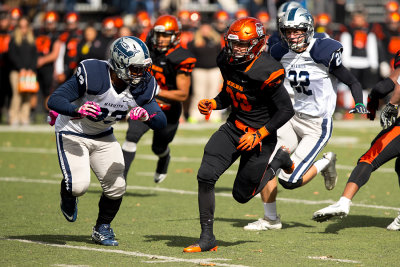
<point x="139" y="114"/>
<point x="205" y="106"/>
<point x="389" y="115"/>
<point x="372" y="107"/>
<point x="251" y="139"/>
<point x="51" y="118"/>
<point x="90" y="108"/>
<point x="359" y="108"/>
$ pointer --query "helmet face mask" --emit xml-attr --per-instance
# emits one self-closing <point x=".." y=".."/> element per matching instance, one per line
<point x="130" y="59"/>
<point x="297" y="29"/>
<point x="244" y="40"/>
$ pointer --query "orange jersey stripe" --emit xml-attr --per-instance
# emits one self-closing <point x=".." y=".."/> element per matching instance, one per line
<point x="272" y="77"/>
<point x="380" y="145"/>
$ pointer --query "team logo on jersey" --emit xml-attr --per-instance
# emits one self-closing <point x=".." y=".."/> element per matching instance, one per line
<point x="124" y="52"/>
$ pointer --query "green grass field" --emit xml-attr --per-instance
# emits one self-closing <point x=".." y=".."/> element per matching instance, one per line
<point x="156" y="222"/>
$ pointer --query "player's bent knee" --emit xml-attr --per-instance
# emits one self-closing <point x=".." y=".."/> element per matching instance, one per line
<point x="79" y="189"/>
<point x="117" y="190"/>
<point x="242" y="199"/>
<point x="207" y="176"/>
<point x="289" y="185"/>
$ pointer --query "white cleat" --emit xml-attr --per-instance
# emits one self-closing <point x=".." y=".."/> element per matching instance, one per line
<point x="329" y="172"/>
<point x="159" y="177"/>
<point x="334" y="210"/>
<point x="263" y="224"/>
<point x="395" y="225"/>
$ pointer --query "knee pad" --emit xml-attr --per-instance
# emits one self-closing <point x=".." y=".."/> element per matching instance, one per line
<point x="117" y="190"/>
<point x="160" y="151"/>
<point x="289" y="185"/>
<point x="206" y="176"/>
<point x="129" y="146"/>
<point x="361" y="173"/>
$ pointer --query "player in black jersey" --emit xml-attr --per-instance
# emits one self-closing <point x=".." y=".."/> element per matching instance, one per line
<point x="172" y="65"/>
<point x="253" y="88"/>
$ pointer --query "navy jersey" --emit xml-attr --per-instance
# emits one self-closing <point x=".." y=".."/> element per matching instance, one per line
<point x="92" y="82"/>
<point x="255" y="92"/>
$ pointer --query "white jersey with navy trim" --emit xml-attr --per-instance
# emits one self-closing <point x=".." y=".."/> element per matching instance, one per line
<point x="94" y="77"/>
<point x="308" y="75"/>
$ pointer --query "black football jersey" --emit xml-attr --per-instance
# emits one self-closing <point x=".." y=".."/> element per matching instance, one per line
<point x="254" y="91"/>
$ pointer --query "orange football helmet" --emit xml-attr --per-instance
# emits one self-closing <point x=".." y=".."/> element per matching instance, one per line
<point x="71" y="17"/>
<point x="263" y="16"/>
<point x="244" y="40"/>
<point x="392" y="6"/>
<point x="323" y="19"/>
<point x="221" y="15"/>
<point x="241" y="13"/>
<point x="166" y="25"/>
<point x="50" y="17"/>
<point x="15" y="13"/>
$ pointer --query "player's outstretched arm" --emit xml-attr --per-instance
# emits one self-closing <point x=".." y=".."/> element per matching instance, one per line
<point x="157" y="119"/>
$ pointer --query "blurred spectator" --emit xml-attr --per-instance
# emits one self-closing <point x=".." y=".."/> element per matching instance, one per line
<point x="67" y="59"/>
<point x="15" y="15"/>
<point x="388" y="34"/>
<point x="23" y="60"/>
<point x="142" y="25"/>
<point x="187" y="31"/>
<point x="108" y="34"/>
<point x="5" y="91"/>
<point x="91" y="45"/>
<point x="48" y="47"/>
<point x="221" y="21"/>
<point x="125" y="31"/>
<point x="241" y="13"/>
<point x="207" y="78"/>
<point x="360" y="55"/>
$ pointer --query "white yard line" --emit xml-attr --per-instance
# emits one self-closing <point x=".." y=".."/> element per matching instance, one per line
<point x="185" y="192"/>
<point x="327" y="258"/>
<point x="163" y="259"/>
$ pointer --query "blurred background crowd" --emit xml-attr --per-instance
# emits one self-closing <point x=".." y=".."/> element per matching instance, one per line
<point x="42" y="41"/>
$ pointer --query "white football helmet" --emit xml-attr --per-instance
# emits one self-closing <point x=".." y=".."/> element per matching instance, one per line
<point x="287" y="6"/>
<point x="130" y="59"/>
<point x="297" y="19"/>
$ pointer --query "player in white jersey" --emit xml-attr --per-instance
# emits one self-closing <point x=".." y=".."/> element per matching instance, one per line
<point x="312" y="66"/>
<point x="94" y="98"/>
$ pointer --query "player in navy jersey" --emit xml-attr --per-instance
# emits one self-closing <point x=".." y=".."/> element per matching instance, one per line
<point x="98" y="95"/>
<point x="312" y="67"/>
<point x="253" y="88"/>
<point x="172" y="66"/>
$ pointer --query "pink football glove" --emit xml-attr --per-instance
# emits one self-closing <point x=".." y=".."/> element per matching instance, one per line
<point x="90" y="108"/>
<point x="139" y="113"/>
<point x="51" y="118"/>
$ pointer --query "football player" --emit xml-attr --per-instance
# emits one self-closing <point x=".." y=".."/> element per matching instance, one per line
<point x="384" y="147"/>
<point x="312" y="67"/>
<point x="172" y="66"/>
<point x="94" y="98"/>
<point x="253" y="88"/>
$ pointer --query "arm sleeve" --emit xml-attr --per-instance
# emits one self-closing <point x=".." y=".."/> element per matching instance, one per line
<point x="223" y="100"/>
<point x="60" y="100"/>
<point x="346" y="77"/>
<point x="382" y="88"/>
<point x="158" y="119"/>
<point x="285" y="109"/>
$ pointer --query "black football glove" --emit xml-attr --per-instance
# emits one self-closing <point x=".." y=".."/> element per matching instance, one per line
<point x="372" y="107"/>
<point x="389" y="115"/>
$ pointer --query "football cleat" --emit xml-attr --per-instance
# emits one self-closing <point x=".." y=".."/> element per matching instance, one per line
<point x="202" y="246"/>
<point x="334" y="210"/>
<point x="283" y="155"/>
<point x="395" y="225"/>
<point x="69" y="207"/>
<point x="263" y="224"/>
<point x="329" y="172"/>
<point x="104" y="235"/>
<point x="162" y="168"/>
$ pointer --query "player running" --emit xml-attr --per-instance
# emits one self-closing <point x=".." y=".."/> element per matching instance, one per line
<point x="93" y="99"/>
<point x="253" y="88"/>
<point x="312" y="68"/>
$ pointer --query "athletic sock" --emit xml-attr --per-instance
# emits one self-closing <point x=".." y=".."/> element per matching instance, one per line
<point x="321" y="164"/>
<point x="270" y="210"/>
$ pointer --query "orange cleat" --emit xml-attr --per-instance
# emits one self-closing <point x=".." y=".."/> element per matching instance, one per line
<point x="197" y="248"/>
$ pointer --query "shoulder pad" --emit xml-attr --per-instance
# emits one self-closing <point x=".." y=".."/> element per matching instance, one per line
<point x="278" y="50"/>
<point x="182" y="58"/>
<point x="145" y="91"/>
<point x="267" y="70"/>
<point x="323" y="49"/>
<point x="273" y="39"/>
<point x="93" y="76"/>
